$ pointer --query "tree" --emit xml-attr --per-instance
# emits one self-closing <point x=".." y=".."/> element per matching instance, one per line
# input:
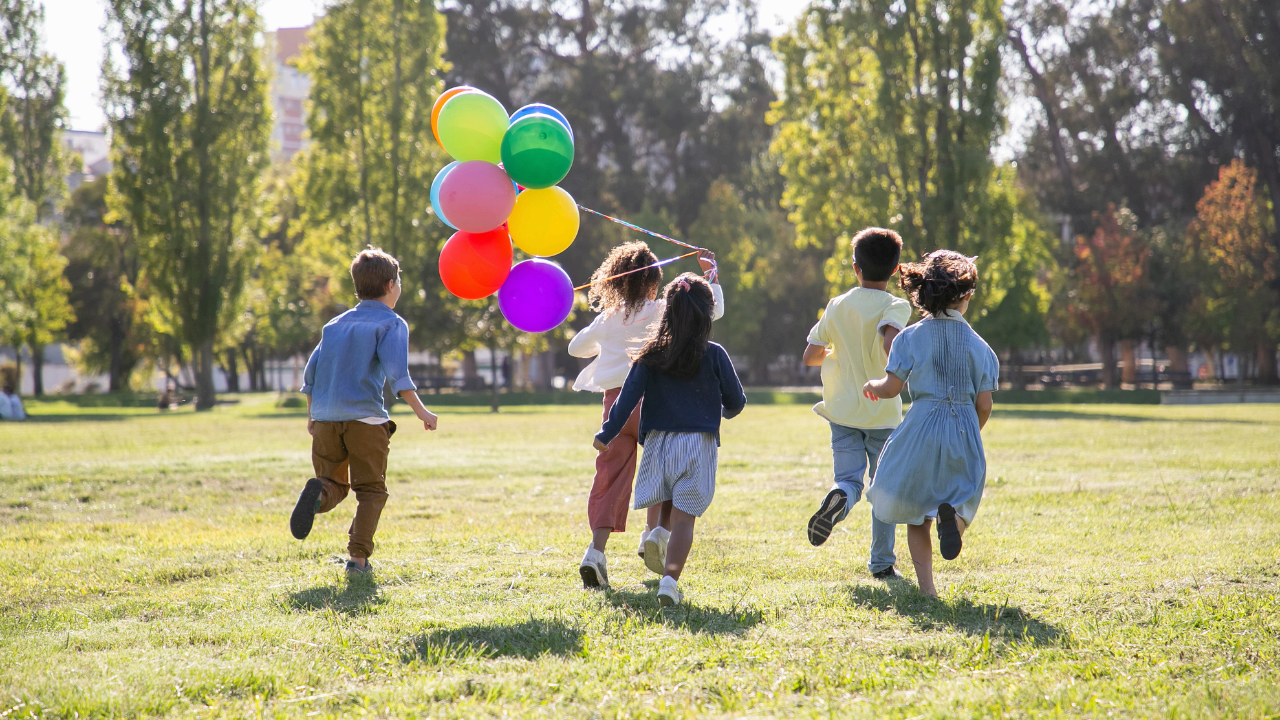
<point x="33" y="113"/>
<point x="366" y="178"/>
<point x="103" y="270"/>
<point x="889" y="117"/>
<point x="190" y="125"/>
<point x="1237" y="304"/>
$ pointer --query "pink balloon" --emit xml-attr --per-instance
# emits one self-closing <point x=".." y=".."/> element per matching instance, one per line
<point x="477" y="196"/>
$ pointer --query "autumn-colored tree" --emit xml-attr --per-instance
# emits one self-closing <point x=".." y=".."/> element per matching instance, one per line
<point x="1109" y="294"/>
<point x="1237" y="306"/>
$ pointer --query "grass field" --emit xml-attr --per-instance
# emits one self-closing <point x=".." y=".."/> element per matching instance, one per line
<point x="1125" y="563"/>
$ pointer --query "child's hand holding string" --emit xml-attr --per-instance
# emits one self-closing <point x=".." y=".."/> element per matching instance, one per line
<point x="707" y="261"/>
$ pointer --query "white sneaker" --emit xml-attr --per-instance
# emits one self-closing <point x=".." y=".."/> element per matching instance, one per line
<point x="655" y="550"/>
<point x="668" y="593"/>
<point x="643" y="535"/>
<point x="594" y="569"/>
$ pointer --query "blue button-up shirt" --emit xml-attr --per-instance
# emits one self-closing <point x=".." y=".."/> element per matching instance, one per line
<point x="359" y="350"/>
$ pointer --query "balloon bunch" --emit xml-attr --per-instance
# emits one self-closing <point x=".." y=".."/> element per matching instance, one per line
<point x="502" y="187"/>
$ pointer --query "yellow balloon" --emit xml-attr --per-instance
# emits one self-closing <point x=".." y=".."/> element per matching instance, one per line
<point x="544" y="222"/>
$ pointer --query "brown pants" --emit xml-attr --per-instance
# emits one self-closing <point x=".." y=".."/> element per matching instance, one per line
<point x="610" y="497"/>
<point x="360" y="450"/>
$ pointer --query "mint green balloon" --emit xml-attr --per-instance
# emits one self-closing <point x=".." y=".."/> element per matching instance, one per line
<point x="471" y="126"/>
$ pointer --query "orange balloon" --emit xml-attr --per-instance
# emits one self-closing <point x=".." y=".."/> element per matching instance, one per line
<point x="439" y="105"/>
<point x="474" y="265"/>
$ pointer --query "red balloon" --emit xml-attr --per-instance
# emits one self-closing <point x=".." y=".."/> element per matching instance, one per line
<point x="477" y="196"/>
<point x="474" y="265"/>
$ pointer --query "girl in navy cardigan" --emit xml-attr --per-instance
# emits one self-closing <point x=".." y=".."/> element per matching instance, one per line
<point x="688" y="383"/>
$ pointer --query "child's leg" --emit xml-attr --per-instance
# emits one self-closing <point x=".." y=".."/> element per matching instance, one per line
<point x="681" y="540"/>
<point x="654" y="517"/>
<point x="330" y="461"/>
<point x="369" y="446"/>
<point x="849" y="462"/>
<point x="882" y="533"/>
<point x="921" y="546"/>
<point x="610" y="497"/>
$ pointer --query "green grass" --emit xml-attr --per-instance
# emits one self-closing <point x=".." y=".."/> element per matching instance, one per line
<point x="1124" y="563"/>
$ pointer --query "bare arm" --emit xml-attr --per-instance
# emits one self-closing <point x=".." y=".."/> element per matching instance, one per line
<point x="887" y="387"/>
<point x="814" y="355"/>
<point x="311" y="424"/>
<point x="982" y="404"/>
<point x="890" y="333"/>
<point x="427" y="417"/>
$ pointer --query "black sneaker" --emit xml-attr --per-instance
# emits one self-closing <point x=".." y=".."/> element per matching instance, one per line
<point x="304" y="513"/>
<point x="948" y="532"/>
<point x="888" y="573"/>
<point x="822" y="521"/>
<point x="354" y="569"/>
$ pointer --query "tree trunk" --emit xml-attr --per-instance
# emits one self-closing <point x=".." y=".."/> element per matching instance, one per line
<point x="493" y="376"/>
<point x="117" y="350"/>
<point x="1018" y="379"/>
<point x="1128" y="362"/>
<point x="1267" y="363"/>
<point x="470" y="375"/>
<point x="232" y="370"/>
<point x="248" y="364"/>
<point x="1179" y="369"/>
<point x="206" y="396"/>
<point x="1107" y="348"/>
<point x="37" y="370"/>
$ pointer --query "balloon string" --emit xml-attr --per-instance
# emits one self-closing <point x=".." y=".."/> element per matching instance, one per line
<point x="711" y="275"/>
<point x="647" y="267"/>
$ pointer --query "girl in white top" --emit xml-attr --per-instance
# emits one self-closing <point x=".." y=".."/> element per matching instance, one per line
<point x="629" y="309"/>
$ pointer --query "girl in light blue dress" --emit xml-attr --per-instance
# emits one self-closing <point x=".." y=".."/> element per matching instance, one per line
<point x="933" y="465"/>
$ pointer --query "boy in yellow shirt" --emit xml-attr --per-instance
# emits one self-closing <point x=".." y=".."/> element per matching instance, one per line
<point x="851" y="343"/>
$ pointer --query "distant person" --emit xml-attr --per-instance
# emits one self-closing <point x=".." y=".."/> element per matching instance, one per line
<point x="166" y="399"/>
<point x="851" y="343"/>
<point x="934" y="466"/>
<point x="687" y="383"/>
<point x="349" y="424"/>
<point x="625" y="292"/>
<point x="11" y="405"/>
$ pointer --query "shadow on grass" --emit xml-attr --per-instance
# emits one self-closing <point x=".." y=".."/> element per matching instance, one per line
<point x="357" y="597"/>
<point x="1000" y="621"/>
<point x="1014" y="413"/>
<point x="528" y="640"/>
<point x="686" y="616"/>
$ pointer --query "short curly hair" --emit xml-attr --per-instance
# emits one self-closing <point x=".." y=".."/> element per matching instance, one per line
<point x="629" y="292"/>
<point x="939" y="281"/>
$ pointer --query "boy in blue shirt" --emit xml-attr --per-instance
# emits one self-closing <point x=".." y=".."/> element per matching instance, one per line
<point x="350" y="427"/>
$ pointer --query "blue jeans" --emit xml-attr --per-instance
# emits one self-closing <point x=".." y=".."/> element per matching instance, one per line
<point x="855" y="452"/>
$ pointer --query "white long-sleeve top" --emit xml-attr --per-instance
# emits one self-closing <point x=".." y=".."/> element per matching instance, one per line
<point x="613" y="338"/>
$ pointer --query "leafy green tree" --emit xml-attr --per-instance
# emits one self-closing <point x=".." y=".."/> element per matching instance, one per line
<point x="889" y="115"/>
<point x="103" y="269"/>
<point x="366" y="177"/>
<point x="186" y="103"/>
<point x="33" y="114"/>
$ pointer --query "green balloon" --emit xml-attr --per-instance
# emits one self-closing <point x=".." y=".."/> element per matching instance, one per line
<point x="471" y="126"/>
<point x="537" y="151"/>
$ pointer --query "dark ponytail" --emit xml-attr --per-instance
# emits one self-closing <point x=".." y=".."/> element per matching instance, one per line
<point x="939" y="280"/>
<point x="677" y="345"/>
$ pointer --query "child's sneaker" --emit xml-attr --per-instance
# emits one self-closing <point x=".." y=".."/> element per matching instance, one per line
<point x="949" y="542"/>
<point x="354" y="570"/>
<point x="304" y="513"/>
<point x="594" y="569"/>
<point x="820" y="524"/>
<point x="655" y="550"/>
<point x="668" y="593"/>
<point x="643" y="535"/>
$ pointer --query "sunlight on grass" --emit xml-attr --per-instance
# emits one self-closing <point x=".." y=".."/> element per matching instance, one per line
<point x="1124" y="562"/>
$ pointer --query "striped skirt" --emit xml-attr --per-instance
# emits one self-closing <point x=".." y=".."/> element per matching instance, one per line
<point x="680" y="467"/>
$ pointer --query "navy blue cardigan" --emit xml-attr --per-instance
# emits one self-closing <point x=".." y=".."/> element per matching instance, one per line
<point x="675" y="405"/>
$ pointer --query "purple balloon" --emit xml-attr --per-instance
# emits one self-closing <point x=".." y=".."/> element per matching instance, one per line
<point x="477" y="196"/>
<point x="537" y="296"/>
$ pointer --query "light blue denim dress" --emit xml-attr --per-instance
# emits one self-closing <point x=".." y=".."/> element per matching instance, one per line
<point x="935" y="456"/>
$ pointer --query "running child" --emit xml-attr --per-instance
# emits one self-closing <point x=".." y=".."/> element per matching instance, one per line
<point x="851" y="343"/>
<point x="687" y="383"/>
<point x="934" y="467"/>
<point x="629" y="311"/>
<point x="349" y="425"/>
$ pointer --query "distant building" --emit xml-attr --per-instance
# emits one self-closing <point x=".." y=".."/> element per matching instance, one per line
<point x="289" y="88"/>
<point x="95" y="156"/>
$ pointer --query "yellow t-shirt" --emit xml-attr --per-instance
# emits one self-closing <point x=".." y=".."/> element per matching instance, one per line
<point x="851" y="329"/>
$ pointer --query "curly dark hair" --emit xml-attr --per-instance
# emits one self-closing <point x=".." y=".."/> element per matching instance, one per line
<point x="629" y="292"/>
<point x="676" y="346"/>
<point x="939" y="280"/>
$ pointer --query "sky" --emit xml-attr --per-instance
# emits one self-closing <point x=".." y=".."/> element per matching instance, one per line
<point x="73" y="33"/>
